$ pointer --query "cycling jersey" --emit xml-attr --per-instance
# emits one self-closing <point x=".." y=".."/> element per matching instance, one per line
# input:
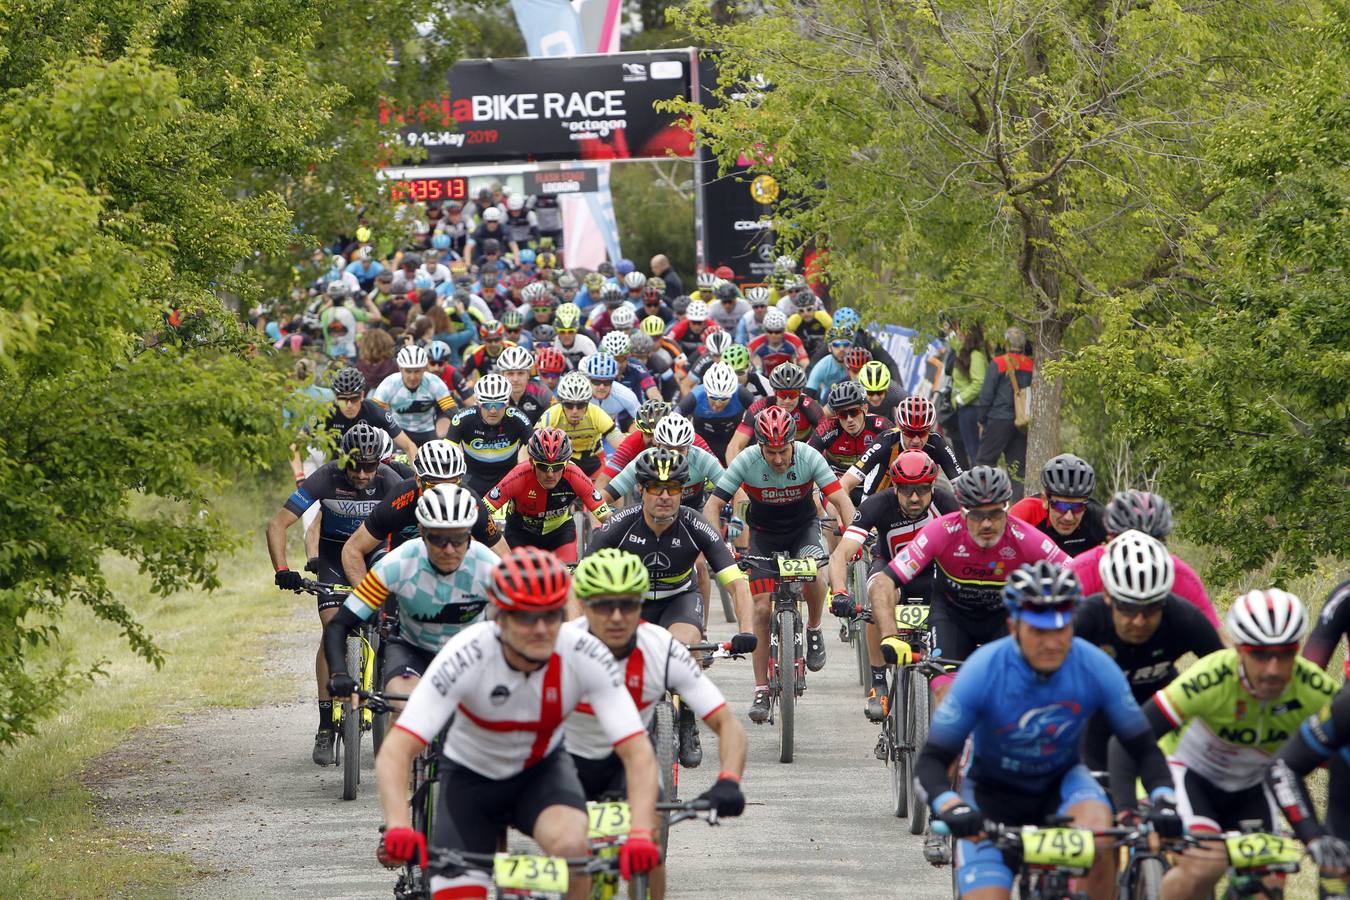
<point x="670" y="556"/>
<point x="480" y="360"/>
<point x="1187" y="585"/>
<point x="1332" y="622"/>
<point x="842" y="449"/>
<point x="882" y="513"/>
<point x="588" y="435"/>
<point x="810" y="328"/>
<point x="1091" y="530"/>
<point x="1149" y="666"/>
<point x="807" y="414"/>
<point x="414" y="410"/>
<point x="1323" y="738"/>
<point x="634" y="376"/>
<point x="582" y="347"/>
<point x="371" y="413"/>
<point x="783" y="502"/>
<point x="704" y="469"/>
<point x="621" y="404"/>
<point x="344" y="507"/>
<point x="489" y="450"/>
<point x="1230" y="735"/>
<point x="433" y="606"/>
<point x="715" y="427"/>
<point x="790" y="349"/>
<point x="630" y="447"/>
<point x="537" y="510"/>
<point x="874" y="465"/>
<point x="888" y="405"/>
<point x="971" y="577"/>
<point x="502" y="720"/>
<point x="825" y="373"/>
<point x="395" y="519"/>
<point x="655" y="664"/>
<point x="533" y="401"/>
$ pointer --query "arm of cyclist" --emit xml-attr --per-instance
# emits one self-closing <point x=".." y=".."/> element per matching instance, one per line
<point x="341" y="683"/>
<point x="1332" y="622"/>
<point x="290" y="513"/>
<point x="1320" y="737"/>
<point x="844" y="552"/>
<point x="585" y="489"/>
<point x="686" y="678"/>
<point x="354" y="553"/>
<point x="1125" y="761"/>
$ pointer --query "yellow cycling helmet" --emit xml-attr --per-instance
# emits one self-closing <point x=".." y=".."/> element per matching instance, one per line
<point x="654" y="326"/>
<point x="568" y="316"/>
<point x="874" y="377"/>
<point x="610" y="572"/>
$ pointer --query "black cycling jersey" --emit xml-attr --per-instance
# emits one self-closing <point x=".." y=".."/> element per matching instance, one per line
<point x="842" y="449"/>
<point x="1323" y="738"/>
<point x="401" y="469"/>
<point x="875" y="464"/>
<point x="344" y="507"/>
<point x="371" y="413"/>
<point x="882" y="513"/>
<point x="670" y="556"/>
<point x="534" y="401"/>
<point x="489" y="450"/>
<point x="1091" y="530"/>
<point x="1332" y="623"/>
<point x="889" y="404"/>
<point x="395" y="518"/>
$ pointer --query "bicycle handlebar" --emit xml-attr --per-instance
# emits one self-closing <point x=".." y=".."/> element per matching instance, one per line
<point x="310" y="586"/>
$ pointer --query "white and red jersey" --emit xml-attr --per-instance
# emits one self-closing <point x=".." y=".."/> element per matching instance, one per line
<point x="656" y="663"/>
<point x="506" y="720"/>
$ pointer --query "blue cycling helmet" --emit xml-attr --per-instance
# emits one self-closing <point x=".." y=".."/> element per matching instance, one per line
<point x="440" y="241"/>
<point x="527" y="256"/>
<point x="423" y="283"/>
<point x="1042" y="594"/>
<point x="623" y="267"/>
<point x="846" y="317"/>
<point x="438" y="351"/>
<point x="601" y="365"/>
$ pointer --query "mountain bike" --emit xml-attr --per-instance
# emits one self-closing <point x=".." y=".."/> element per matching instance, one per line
<point x="857" y="626"/>
<point x="608" y="823"/>
<point x="1253" y="856"/>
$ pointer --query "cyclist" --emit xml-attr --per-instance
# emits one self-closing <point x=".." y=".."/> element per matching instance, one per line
<point x="688" y="332"/>
<point x="883" y="397"/>
<point x="419" y="404"/>
<point x="716" y="407"/>
<point x="351" y="406"/>
<point x="438" y="585"/>
<point x="846" y="434"/>
<point x="440" y="362"/>
<point x="551" y="365"/>
<point x="754" y="381"/>
<point x="1024" y="700"/>
<point x="809" y="323"/>
<point x="491" y="432"/>
<point x="529" y="396"/>
<point x="1237" y="706"/>
<point x="751" y="325"/>
<point x="1140" y="624"/>
<point x="480" y="360"/>
<point x="774" y="346"/>
<point x="729" y="309"/>
<point x="896" y="516"/>
<point x="1075" y="519"/>
<point x="347" y="489"/>
<point x="715" y="343"/>
<point x="788" y="382"/>
<point x="830" y="369"/>
<point x="574" y="344"/>
<point x="610" y="395"/>
<point x="598" y="321"/>
<point x="585" y="423"/>
<point x="639" y="439"/>
<point x="501" y="690"/>
<point x="780" y="475"/>
<point x="542" y="492"/>
<point x="1332" y="623"/>
<point x="915" y="420"/>
<point x="632" y="373"/>
<point x="674" y="432"/>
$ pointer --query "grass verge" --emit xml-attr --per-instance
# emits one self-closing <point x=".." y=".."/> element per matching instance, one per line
<point x="52" y="843"/>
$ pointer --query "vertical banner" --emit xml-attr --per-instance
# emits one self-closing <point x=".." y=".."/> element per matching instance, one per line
<point x="550" y="27"/>
<point x="600" y="24"/>
<point x="911" y="361"/>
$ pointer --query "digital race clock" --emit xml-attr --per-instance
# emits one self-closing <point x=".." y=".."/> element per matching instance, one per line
<point x="420" y="190"/>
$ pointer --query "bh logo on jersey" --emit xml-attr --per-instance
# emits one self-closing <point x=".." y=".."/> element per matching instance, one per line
<point x="1042" y="726"/>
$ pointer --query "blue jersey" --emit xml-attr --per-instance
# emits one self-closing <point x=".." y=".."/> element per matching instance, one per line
<point x="714" y="427"/>
<point x="1027" y="727"/>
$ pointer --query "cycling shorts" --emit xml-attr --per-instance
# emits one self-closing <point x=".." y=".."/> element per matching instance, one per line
<point x="956" y="635"/>
<point x="404" y="660"/>
<point x="561" y="542"/>
<point x="589" y="463"/>
<point x="1203" y="807"/>
<point x="421" y="437"/>
<point x="982" y="865"/>
<point x="801" y="542"/>
<point x="330" y="572"/>
<point x="602" y="779"/>
<point x="685" y="607"/>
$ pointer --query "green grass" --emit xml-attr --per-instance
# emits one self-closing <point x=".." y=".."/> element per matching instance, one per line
<point x="52" y="843"/>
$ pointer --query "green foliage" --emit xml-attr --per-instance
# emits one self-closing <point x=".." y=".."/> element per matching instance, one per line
<point x="655" y="208"/>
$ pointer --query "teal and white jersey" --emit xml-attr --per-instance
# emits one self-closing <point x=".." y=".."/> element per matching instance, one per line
<point x="414" y="410"/>
<point x="703" y="468"/>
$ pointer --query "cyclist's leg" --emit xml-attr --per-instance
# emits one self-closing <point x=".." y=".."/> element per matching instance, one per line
<point x="761" y="591"/>
<point x="404" y="665"/>
<point x="1197" y="869"/>
<point x="808" y="542"/>
<point x="981" y="872"/>
<point x="552" y="809"/>
<point x="881" y="596"/>
<point x="1082" y="797"/>
<point x="471" y="811"/>
<point x="951" y="640"/>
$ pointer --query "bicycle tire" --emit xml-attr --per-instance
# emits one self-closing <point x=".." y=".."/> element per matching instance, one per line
<point x="665" y="741"/>
<point x="1147" y="880"/>
<point x="858" y="588"/>
<point x="917" y="711"/>
<point x="379" y="725"/>
<point x="787" y="681"/>
<point x="898" y="761"/>
<point x="351" y="728"/>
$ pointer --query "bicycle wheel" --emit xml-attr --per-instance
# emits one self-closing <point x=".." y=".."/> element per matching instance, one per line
<point x="379" y="725"/>
<point x="665" y="740"/>
<point x="858" y="587"/>
<point x="351" y="728"/>
<point x="899" y="760"/>
<point x="1146" y="878"/>
<point x="787" y="681"/>
<point x="916" y="721"/>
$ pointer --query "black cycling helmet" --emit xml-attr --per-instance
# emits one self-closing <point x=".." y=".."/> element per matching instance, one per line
<point x="348" y="382"/>
<point x="787" y="376"/>
<point x="491" y="245"/>
<point x="1068" y="476"/>
<point x="362" y="444"/>
<point x="1042" y="594"/>
<point x="846" y="395"/>
<point x="982" y="485"/>
<point x="651" y="412"/>
<point x="680" y="304"/>
<point x="661" y="465"/>
<point x="727" y="291"/>
<point x="1141" y="511"/>
<point x="543" y="333"/>
<point x="611" y="294"/>
<point x="411" y="260"/>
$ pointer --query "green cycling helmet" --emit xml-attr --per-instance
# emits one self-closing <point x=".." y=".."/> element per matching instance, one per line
<point x="608" y="572"/>
<point x="737" y="356"/>
<point x="568" y="315"/>
<point x="513" y="318"/>
<point x="654" y="326"/>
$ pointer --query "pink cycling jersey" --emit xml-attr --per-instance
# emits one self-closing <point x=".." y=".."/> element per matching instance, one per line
<point x="970" y="577"/>
<point x="1188" y="585"/>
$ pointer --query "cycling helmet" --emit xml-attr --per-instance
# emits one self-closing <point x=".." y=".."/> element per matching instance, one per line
<point x="411" y="261"/>
<point x="846" y="395"/>
<point x="606" y="269"/>
<point x="513" y="319"/>
<point x="543" y="333"/>
<point x="736" y="355"/>
<point x="594" y="281"/>
<point x="438" y="352"/>
<point x="348" y="382"/>
<point x="839" y="333"/>
<point x="424" y="282"/>
<point x="386" y="445"/>
<point x="515" y="359"/>
<point x="1137" y="568"/>
<point x="440" y="240"/>
<point x="847" y="317"/>
<point x="361" y="443"/>
<point x="1067" y="475"/>
<point x="717" y="342"/>
<point x="680" y="304"/>
<point x="656" y="288"/>
<point x="527" y="256"/>
<point x="492" y="329"/>
<point x="337" y="290"/>
<point x="412" y="357"/>
<point x="675" y="431"/>
<point x="857" y="357"/>
<point x="649" y="413"/>
<point x="574" y="387"/>
<point x="529" y="580"/>
<point x="982" y="485"/>
<point x="874" y="376"/>
<point x="567" y="281"/>
<point x="916" y="414"/>
<point x="707" y="281"/>
<point x="623" y="267"/>
<point x="492" y="214"/>
<point x="600" y="366"/>
<point x="727" y="291"/>
<point x="758" y="296"/>
<point x="1141" y="511"/>
<point x="913" y="467"/>
<point x="654" y="326"/>
<point x="623" y="318"/>
<point x="1269" y="618"/>
<point x="533" y="291"/>
<point x="775" y="321"/>
<point x="775" y="427"/>
<point x="720" y="381"/>
<point x="1042" y="594"/>
<point x="549" y="361"/>
<point x="611" y="294"/>
<point x="549" y="445"/>
<point x="615" y="343"/>
<point x="492" y="388"/>
<point x="489" y="276"/>
<point x="635" y="281"/>
<point x="608" y="572"/>
<point x="569" y="316"/>
<point x="447" y="506"/>
<point x="640" y="344"/>
<point x="785" y="264"/>
<point x="659" y="464"/>
<point x="787" y="376"/>
<point x="439" y="460"/>
<point x="697" y="311"/>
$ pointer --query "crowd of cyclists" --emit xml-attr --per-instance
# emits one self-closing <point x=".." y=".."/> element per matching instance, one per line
<point x="545" y="474"/>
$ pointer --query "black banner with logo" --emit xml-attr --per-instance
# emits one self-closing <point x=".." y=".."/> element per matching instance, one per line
<point x="552" y="182"/>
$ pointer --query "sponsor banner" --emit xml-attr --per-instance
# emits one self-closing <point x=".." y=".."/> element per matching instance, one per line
<point x="550" y="27"/>
<point x="552" y="108"/>
<point x="552" y="182"/>
<point x="736" y="230"/>
<point x="911" y="360"/>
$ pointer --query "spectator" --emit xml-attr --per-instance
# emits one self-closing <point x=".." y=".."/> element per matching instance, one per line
<point x="968" y="371"/>
<point x="364" y="268"/>
<point x="661" y="268"/>
<point x="375" y="357"/>
<point x="999" y="435"/>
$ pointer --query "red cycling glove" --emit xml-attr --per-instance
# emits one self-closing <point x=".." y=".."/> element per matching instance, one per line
<point x="399" y="845"/>
<point x="638" y="854"/>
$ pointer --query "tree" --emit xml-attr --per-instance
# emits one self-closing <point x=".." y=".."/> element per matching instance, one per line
<point x="654" y="204"/>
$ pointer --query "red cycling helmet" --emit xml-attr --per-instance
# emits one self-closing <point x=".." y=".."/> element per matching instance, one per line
<point x="916" y="414"/>
<point x="550" y="361"/>
<point x="493" y="329"/>
<point x="518" y="280"/>
<point x="913" y="467"/>
<point x="857" y="357"/>
<point x="550" y="445"/>
<point x="529" y="580"/>
<point x="775" y="427"/>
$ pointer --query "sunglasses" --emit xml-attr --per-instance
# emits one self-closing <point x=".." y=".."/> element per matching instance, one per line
<point x="529" y="620"/>
<point x="446" y="540"/>
<point x="916" y="435"/>
<point x="771" y="331"/>
<point x="567" y="331"/>
<point x="787" y="394"/>
<point x="670" y="490"/>
<point x="913" y="490"/>
<point x="1266" y="654"/>
<point x="875" y="393"/>
<point x="986" y="515"/>
<point x="367" y="467"/>
<point x="601" y="382"/>
<point x="349" y="398"/>
<point x="1064" y="607"/>
<point x="550" y="468"/>
<point x="839" y="345"/>
<point x="855" y="412"/>
<point x="608" y="607"/>
<point x="1129" y="609"/>
<point x="572" y="404"/>
<point x="493" y="405"/>
<point x="1068" y="506"/>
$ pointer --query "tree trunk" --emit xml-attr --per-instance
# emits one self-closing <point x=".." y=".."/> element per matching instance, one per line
<point x="1046" y="398"/>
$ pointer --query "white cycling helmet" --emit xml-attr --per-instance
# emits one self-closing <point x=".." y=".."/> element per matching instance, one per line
<point x="574" y="387"/>
<point x="623" y="318"/>
<point x="1137" y="568"/>
<point x="717" y="342"/>
<point x="492" y="214"/>
<point x="758" y="296"/>
<point x="720" y="381"/>
<point x="1269" y="618"/>
<point x="706" y="281"/>
<point x="439" y="460"/>
<point x="515" y="359"/>
<point x="533" y="291"/>
<point x="635" y="281"/>
<point x="515" y="203"/>
<point x="412" y="357"/>
<point x="616" y="343"/>
<point x="697" y="311"/>
<point x="673" y="430"/>
<point x="447" y="506"/>
<point x="386" y="445"/>
<point x="774" y="320"/>
<point x="492" y="388"/>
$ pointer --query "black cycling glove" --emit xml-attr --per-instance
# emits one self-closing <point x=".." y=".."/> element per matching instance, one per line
<point x="726" y="797"/>
<point x="743" y="643"/>
<point x="288" y="580"/>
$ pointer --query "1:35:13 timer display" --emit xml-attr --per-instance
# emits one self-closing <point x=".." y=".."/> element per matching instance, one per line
<point x="420" y="190"/>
